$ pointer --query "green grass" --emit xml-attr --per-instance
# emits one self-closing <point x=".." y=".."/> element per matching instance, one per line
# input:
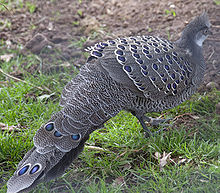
<point x="127" y="162"/>
<point x="17" y="4"/>
<point x="217" y="2"/>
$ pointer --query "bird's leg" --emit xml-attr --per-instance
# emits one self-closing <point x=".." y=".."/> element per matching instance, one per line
<point x="151" y="121"/>
<point x="141" y="120"/>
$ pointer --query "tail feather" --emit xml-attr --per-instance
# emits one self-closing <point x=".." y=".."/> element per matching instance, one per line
<point x="36" y="168"/>
<point x="52" y="135"/>
<point x="29" y="171"/>
<point x="65" y="162"/>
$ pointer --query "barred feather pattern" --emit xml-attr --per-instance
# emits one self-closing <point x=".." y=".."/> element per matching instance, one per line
<point x="95" y="95"/>
<point x="138" y="74"/>
<point x="88" y="101"/>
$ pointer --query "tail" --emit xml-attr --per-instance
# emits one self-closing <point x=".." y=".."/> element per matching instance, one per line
<point x="55" y="147"/>
<point x="36" y="167"/>
<point x="88" y="101"/>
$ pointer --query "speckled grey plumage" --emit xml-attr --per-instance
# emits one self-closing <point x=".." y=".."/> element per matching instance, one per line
<point x="138" y="74"/>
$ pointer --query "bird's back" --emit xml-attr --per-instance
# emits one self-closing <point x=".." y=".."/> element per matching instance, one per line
<point x="153" y="68"/>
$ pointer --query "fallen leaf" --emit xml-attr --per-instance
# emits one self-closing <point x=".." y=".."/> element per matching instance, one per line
<point x="118" y="181"/>
<point x="127" y="166"/>
<point x="6" y="57"/>
<point x="45" y="96"/>
<point x="8" y="43"/>
<point x="5" y="127"/>
<point x="50" y="26"/>
<point x="194" y="117"/>
<point x="2" y="125"/>
<point x="109" y="12"/>
<point x="157" y="155"/>
<point x="181" y="161"/>
<point x="204" y="180"/>
<point x="163" y="160"/>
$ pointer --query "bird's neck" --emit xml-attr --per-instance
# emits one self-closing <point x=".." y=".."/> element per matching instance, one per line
<point x="192" y="46"/>
<point x="194" y="52"/>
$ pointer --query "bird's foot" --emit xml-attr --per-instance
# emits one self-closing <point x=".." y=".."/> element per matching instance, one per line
<point x="152" y="122"/>
<point x="148" y="133"/>
<point x="156" y="121"/>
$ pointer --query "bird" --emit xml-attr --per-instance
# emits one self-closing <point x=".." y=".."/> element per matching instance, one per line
<point x="139" y="74"/>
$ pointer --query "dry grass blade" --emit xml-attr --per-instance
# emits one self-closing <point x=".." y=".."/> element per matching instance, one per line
<point x="18" y="79"/>
<point x="95" y="148"/>
<point x="4" y="6"/>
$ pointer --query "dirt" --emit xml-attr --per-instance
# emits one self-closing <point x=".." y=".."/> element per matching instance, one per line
<point x="56" y="30"/>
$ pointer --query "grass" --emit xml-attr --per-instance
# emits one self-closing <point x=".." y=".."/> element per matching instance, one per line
<point x="17" y="4"/>
<point x="128" y="162"/>
<point x="217" y="2"/>
<point x="170" y="12"/>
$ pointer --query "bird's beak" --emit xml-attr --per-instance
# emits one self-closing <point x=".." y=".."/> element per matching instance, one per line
<point x="210" y="32"/>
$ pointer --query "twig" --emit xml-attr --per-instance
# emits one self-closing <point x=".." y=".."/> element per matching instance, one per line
<point x="213" y="51"/>
<point x="6" y="8"/>
<point x="18" y="79"/>
<point x="134" y="150"/>
<point x="188" y="114"/>
<point x="36" y="23"/>
<point x="122" y="154"/>
<point x="213" y="39"/>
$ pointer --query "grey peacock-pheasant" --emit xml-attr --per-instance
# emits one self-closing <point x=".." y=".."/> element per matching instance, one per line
<point x="138" y="74"/>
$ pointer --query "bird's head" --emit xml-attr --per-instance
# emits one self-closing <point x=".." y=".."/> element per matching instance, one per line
<point x="196" y="31"/>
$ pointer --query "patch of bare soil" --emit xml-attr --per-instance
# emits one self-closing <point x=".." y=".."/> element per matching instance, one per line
<point x="55" y="27"/>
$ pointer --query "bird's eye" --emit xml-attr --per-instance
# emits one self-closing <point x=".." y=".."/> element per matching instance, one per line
<point x="205" y="31"/>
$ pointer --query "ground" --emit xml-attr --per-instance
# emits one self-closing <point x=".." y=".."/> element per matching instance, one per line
<point x="57" y="32"/>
